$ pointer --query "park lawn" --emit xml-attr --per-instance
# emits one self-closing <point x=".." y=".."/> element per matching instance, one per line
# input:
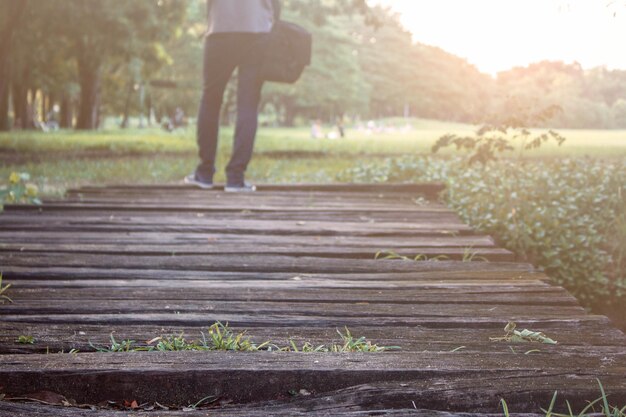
<point x="65" y="159"/>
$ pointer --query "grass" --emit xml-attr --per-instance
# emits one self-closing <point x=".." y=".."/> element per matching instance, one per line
<point x="26" y="340"/>
<point x="523" y="336"/>
<point x="3" y="292"/>
<point x="596" y="408"/>
<point x="65" y="159"/>
<point x="420" y="257"/>
<point x="222" y="338"/>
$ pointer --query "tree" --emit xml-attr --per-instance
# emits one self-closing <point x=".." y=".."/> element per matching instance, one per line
<point x="333" y="85"/>
<point x="11" y="13"/>
<point x="101" y="35"/>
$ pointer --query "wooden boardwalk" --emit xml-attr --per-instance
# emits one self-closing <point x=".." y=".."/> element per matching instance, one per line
<point x="287" y="263"/>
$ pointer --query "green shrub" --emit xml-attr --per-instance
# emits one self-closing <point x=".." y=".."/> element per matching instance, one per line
<point x="19" y="190"/>
<point x="567" y="216"/>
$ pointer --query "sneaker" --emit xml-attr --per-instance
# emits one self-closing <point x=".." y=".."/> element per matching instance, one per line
<point x="240" y="188"/>
<point x="193" y="179"/>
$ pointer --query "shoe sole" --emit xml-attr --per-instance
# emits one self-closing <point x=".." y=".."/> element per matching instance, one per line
<point x="199" y="184"/>
<point x="239" y="190"/>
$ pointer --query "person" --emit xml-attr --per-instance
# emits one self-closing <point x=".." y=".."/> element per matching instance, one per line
<point x="237" y="37"/>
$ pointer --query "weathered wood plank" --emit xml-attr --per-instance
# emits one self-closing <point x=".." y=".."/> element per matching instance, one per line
<point x="598" y="338"/>
<point x="356" y="215"/>
<point x="265" y="239"/>
<point x="179" y="207"/>
<point x="337" y="310"/>
<point x="491" y="254"/>
<point x="430" y="188"/>
<point x="277" y="409"/>
<point x="319" y="320"/>
<point x="237" y="220"/>
<point x="253" y="263"/>
<point x="510" y="295"/>
<point x="182" y="377"/>
<point x="251" y="227"/>
<point x="356" y="201"/>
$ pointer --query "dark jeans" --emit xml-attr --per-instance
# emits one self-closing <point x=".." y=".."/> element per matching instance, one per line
<point x="223" y="53"/>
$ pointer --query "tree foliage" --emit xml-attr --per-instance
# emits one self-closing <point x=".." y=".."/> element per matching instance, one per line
<point x="121" y="58"/>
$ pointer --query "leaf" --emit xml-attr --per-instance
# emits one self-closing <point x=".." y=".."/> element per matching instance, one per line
<point x="47" y="397"/>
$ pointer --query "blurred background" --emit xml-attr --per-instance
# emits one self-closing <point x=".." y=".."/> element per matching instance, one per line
<point x="90" y="64"/>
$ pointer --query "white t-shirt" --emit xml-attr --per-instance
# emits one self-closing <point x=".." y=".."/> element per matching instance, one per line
<point x="240" y="16"/>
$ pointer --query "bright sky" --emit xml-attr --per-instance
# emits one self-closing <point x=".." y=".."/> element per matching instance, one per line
<point x="496" y="35"/>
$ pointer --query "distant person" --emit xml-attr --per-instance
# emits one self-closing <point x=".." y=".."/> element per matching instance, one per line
<point x="237" y="38"/>
<point x="340" y="128"/>
<point x="179" y="118"/>
<point x="316" y="130"/>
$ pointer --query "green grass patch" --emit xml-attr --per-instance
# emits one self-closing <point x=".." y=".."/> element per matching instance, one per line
<point x="600" y="407"/>
<point x="222" y="338"/>
<point x="60" y="160"/>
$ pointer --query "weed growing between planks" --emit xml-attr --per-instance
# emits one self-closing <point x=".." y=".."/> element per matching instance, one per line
<point x="3" y="292"/>
<point x="26" y="340"/>
<point x="523" y="336"/>
<point x="469" y="255"/>
<point x="598" y="407"/>
<point x="420" y="257"/>
<point x="222" y="338"/>
<point x="349" y="344"/>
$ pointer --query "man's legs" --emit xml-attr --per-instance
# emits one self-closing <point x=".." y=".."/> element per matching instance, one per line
<point x="220" y="61"/>
<point x="249" y="88"/>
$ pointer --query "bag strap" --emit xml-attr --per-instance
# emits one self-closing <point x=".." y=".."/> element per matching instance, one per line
<point x="209" y="5"/>
<point x="277" y="9"/>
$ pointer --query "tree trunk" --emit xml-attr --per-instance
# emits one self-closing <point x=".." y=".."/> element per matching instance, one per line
<point x="149" y="108"/>
<point x="129" y="95"/>
<point x="66" y="112"/>
<point x="30" y="104"/>
<point x="18" y="105"/>
<point x="4" y="111"/>
<point x="43" y="105"/>
<point x="290" y="112"/>
<point x="15" y="12"/>
<point x="89" y="80"/>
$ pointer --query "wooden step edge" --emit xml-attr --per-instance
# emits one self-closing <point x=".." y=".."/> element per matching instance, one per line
<point x="417" y="188"/>
<point x="434" y="381"/>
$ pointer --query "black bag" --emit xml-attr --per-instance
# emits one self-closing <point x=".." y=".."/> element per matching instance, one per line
<point x="289" y="51"/>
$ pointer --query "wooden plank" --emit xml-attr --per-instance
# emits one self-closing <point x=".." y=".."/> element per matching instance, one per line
<point x="340" y="206"/>
<point x="253" y="263"/>
<point x="265" y="239"/>
<point x="598" y="337"/>
<point x="356" y="215"/>
<point x="270" y="308"/>
<point x="517" y="295"/>
<point x="273" y="198"/>
<point x="427" y="188"/>
<point x="251" y="227"/>
<point x="277" y="409"/>
<point x="180" y="207"/>
<point x="491" y="254"/>
<point x="59" y="277"/>
<point x="478" y="320"/>
<point x="183" y="377"/>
